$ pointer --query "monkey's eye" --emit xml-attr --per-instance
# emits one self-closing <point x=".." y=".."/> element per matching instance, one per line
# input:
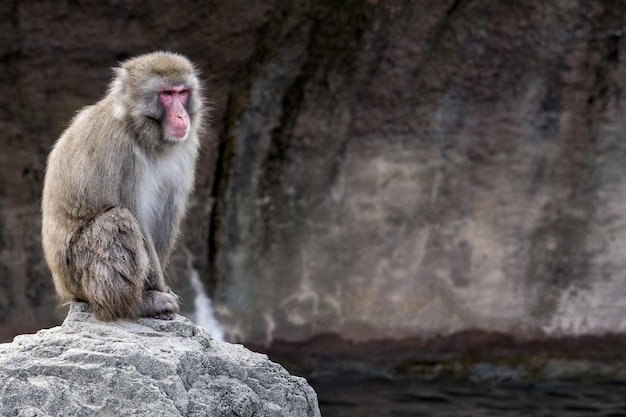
<point x="183" y="92"/>
<point x="167" y="92"/>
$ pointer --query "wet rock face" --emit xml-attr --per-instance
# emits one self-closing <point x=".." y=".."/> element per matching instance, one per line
<point x="410" y="169"/>
<point x="146" y="368"/>
<point x="387" y="169"/>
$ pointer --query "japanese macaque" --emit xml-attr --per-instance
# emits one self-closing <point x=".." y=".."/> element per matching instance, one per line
<point x="116" y="187"/>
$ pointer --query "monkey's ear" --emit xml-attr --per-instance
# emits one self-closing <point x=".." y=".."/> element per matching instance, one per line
<point x="118" y="89"/>
<point x="118" y="86"/>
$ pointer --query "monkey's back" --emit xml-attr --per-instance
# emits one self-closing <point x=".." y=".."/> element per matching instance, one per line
<point x="82" y="179"/>
<point x="86" y="155"/>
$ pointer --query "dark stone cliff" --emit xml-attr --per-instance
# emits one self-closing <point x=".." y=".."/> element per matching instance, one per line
<point x="377" y="169"/>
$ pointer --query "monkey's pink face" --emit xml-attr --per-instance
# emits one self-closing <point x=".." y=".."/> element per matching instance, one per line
<point x="176" y="121"/>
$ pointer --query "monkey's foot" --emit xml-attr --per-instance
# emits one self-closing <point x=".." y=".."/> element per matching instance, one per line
<point x="164" y="316"/>
<point x="160" y="305"/>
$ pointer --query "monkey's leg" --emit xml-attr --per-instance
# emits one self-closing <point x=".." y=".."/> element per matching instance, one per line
<point x="159" y="301"/>
<point x="112" y="264"/>
<point x="111" y="259"/>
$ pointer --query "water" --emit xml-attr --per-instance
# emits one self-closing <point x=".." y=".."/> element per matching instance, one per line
<point x="203" y="314"/>
<point x="355" y="396"/>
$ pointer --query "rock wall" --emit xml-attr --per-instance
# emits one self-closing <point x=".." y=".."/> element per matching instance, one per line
<point x="417" y="168"/>
<point x="386" y="168"/>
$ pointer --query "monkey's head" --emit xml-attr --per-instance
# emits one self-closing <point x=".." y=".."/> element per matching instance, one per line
<point x="158" y="88"/>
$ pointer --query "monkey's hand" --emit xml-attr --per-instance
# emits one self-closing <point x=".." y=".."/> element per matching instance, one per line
<point x="160" y="305"/>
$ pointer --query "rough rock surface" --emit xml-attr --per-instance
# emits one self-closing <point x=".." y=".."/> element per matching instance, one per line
<point x="145" y="368"/>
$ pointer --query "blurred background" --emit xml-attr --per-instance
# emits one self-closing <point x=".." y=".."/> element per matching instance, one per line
<point x="391" y="192"/>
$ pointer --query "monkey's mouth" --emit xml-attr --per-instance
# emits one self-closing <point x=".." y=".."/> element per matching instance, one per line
<point x="177" y="134"/>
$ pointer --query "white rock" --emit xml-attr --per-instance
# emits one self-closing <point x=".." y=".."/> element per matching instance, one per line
<point x="143" y="368"/>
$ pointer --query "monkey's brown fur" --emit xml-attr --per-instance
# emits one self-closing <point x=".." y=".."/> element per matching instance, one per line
<point x="115" y="192"/>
